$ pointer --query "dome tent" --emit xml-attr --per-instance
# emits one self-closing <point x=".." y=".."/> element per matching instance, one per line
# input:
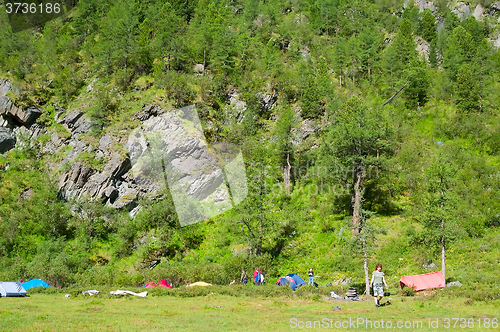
<point x="34" y="283"/>
<point x="293" y="280"/>
<point x="11" y="289"/>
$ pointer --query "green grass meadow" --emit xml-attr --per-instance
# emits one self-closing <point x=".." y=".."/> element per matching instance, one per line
<point x="215" y="312"/>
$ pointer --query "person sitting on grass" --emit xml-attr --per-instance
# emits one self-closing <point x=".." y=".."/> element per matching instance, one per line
<point x="378" y="278"/>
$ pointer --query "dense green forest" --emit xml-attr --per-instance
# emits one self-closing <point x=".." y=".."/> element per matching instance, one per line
<point x="382" y="137"/>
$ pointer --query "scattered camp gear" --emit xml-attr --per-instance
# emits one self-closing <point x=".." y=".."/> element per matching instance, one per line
<point x="335" y="296"/>
<point x="125" y="292"/>
<point x="387" y="294"/>
<point x="352" y="294"/>
<point x="423" y="281"/>
<point x="34" y="283"/>
<point x="90" y="292"/>
<point x="160" y="284"/>
<point x="337" y="308"/>
<point x="199" y="283"/>
<point x="11" y="289"/>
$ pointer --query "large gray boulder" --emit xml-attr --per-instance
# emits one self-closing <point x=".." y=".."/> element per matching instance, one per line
<point x="7" y="140"/>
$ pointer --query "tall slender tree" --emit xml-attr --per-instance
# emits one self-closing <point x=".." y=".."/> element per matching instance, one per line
<point x="438" y="207"/>
<point x="358" y="141"/>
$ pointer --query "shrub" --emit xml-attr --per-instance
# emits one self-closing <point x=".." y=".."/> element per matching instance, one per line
<point x="406" y="291"/>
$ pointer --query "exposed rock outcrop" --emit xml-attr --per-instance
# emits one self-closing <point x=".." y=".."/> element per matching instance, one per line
<point x="267" y="99"/>
<point x="10" y="114"/>
<point x="7" y="139"/>
<point x="478" y="12"/>
<point x="462" y="10"/>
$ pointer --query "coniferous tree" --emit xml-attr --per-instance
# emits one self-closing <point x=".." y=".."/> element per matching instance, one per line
<point x="358" y="141"/>
<point x="428" y="27"/>
<point x="460" y="49"/>
<point x="466" y="90"/>
<point x="438" y="208"/>
<point x="284" y="146"/>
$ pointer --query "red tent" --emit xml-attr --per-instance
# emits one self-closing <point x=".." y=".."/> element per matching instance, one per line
<point x="162" y="284"/>
<point x="423" y="281"/>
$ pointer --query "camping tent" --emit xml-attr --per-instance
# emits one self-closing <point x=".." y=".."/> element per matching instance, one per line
<point x="11" y="289"/>
<point x="199" y="283"/>
<point x="423" y="281"/>
<point x="292" y="280"/>
<point x="34" y="283"/>
<point x="161" y="284"/>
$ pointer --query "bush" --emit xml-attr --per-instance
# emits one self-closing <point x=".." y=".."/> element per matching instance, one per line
<point x="406" y="291"/>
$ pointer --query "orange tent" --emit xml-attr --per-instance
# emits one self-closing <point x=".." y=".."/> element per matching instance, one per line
<point x="423" y="281"/>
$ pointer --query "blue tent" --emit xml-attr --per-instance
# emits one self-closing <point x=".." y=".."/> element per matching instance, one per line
<point x="35" y="283"/>
<point x="298" y="280"/>
<point x="292" y="280"/>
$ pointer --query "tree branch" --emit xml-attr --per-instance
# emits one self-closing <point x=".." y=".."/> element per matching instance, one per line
<point x="397" y="92"/>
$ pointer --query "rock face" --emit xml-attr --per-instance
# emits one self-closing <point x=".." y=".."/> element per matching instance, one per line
<point x="10" y="114"/>
<point x="421" y="4"/>
<point x="495" y="8"/>
<point x="171" y="149"/>
<point x="237" y="105"/>
<point x="7" y="139"/>
<point x="462" y="10"/>
<point x="13" y="117"/>
<point x="267" y="99"/>
<point x="423" y="47"/>
<point x="478" y="12"/>
<point x="168" y="147"/>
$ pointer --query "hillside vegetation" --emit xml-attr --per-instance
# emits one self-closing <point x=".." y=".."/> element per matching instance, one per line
<point x="365" y="126"/>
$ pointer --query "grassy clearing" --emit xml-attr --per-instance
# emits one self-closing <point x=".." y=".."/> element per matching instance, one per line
<point x="215" y="312"/>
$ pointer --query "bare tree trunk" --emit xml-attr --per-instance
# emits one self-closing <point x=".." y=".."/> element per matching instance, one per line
<point x="204" y="62"/>
<point x="365" y="264"/>
<point x="261" y="193"/>
<point x="443" y="247"/>
<point x="356" y="204"/>
<point x="443" y="254"/>
<point x="286" y="174"/>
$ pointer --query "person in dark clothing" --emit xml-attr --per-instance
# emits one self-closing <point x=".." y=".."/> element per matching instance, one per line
<point x="244" y="277"/>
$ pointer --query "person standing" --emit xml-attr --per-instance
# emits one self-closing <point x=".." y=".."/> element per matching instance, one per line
<point x="311" y="276"/>
<point x="244" y="277"/>
<point x="256" y="276"/>
<point x="378" y="278"/>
